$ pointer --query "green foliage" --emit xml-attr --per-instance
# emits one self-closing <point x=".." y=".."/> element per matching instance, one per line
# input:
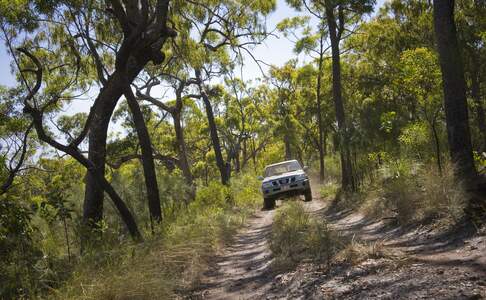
<point x="18" y="251"/>
<point x="415" y="193"/>
<point x="393" y="89"/>
<point x="173" y="259"/>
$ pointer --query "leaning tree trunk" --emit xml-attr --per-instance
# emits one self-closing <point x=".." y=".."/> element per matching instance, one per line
<point x="347" y="180"/>
<point x="104" y="107"/>
<point x="99" y="178"/>
<point x="148" y="164"/>
<point x="223" y="169"/>
<point x="107" y="99"/>
<point x="454" y="86"/>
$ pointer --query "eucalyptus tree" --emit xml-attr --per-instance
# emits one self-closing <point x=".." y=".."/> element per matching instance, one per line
<point x="471" y="21"/>
<point x="421" y="78"/>
<point x="119" y="39"/>
<point x="246" y="127"/>
<point x="313" y="43"/>
<point x="235" y="132"/>
<point x="216" y="34"/>
<point x="175" y="110"/>
<point x="284" y="80"/>
<point x="340" y="17"/>
<point x="454" y="86"/>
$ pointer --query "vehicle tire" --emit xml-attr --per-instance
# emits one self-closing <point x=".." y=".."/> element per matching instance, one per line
<point x="308" y="195"/>
<point x="268" y="203"/>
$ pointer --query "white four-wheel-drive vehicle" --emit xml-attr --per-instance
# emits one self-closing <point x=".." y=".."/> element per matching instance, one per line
<point x="284" y="179"/>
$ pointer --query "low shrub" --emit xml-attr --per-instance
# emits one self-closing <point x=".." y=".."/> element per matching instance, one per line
<point x="415" y="193"/>
<point x="297" y="236"/>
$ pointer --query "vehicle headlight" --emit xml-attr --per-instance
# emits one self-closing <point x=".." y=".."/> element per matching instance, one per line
<point x="301" y="177"/>
<point x="266" y="185"/>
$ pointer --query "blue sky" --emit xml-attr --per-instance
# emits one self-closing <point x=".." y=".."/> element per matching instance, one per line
<point x="275" y="51"/>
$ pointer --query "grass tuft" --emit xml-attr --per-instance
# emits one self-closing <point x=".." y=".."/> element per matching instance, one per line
<point x="297" y="236"/>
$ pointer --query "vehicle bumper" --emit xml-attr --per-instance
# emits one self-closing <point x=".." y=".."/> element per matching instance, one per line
<point x="287" y="190"/>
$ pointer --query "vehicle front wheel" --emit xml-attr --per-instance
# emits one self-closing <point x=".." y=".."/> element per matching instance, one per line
<point x="308" y="195"/>
<point x="268" y="203"/>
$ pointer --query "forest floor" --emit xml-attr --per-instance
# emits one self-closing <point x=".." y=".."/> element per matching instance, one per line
<point x="421" y="262"/>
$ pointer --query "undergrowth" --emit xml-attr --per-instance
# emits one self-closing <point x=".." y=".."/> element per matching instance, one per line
<point x="406" y="191"/>
<point x="417" y="194"/>
<point x="298" y="236"/>
<point x="171" y="260"/>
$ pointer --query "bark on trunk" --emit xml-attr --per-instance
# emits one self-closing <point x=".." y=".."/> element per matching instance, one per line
<point x="223" y="168"/>
<point x="347" y="180"/>
<point x="103" y="110"/>
<point x="319" y="110"/>
<point x="476" y="95"/>
<point x="437" y="146"/>
<point x="150" y="175"/>
<point x="181" y="148"/>
<point x="98" y="177"/>
<point x="454" y="86"/>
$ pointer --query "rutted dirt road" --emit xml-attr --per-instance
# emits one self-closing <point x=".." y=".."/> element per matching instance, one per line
<point x="421" y="264"/>
<point x="243" y="271"/>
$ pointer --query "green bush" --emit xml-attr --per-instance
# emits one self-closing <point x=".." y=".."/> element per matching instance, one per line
<point x="18" y="252"/>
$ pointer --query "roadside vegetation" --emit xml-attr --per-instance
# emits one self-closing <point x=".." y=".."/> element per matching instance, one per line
<point x="131" y="133"/>
<point x="173" y="258"/>
<point x="408" y="192"/>
<point x="299" y="236"/>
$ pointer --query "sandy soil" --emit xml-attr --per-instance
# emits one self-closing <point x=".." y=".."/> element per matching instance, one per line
<point x="422" y="264"/>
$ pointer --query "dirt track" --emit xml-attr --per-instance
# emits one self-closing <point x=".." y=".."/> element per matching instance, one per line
<point x="424" y="265"/>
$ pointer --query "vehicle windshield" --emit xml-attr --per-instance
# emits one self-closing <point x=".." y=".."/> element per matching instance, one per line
<point x="282" y="168"/>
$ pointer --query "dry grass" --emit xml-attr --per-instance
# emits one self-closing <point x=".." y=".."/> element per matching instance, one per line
<point x="356" y="252"/>
<point x="297" y="236"/>
<point x="172" y="261"/>
<point x="418" y="196"/>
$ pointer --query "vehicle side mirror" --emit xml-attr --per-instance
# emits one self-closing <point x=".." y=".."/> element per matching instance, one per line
<point x="260" y="178"/>
<point x="306" y="168"/>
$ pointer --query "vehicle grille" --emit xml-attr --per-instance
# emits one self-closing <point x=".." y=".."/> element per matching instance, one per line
<point x="283" y="181"/>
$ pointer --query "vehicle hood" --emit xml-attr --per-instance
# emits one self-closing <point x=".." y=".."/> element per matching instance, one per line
<point x="283" y="175"/>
